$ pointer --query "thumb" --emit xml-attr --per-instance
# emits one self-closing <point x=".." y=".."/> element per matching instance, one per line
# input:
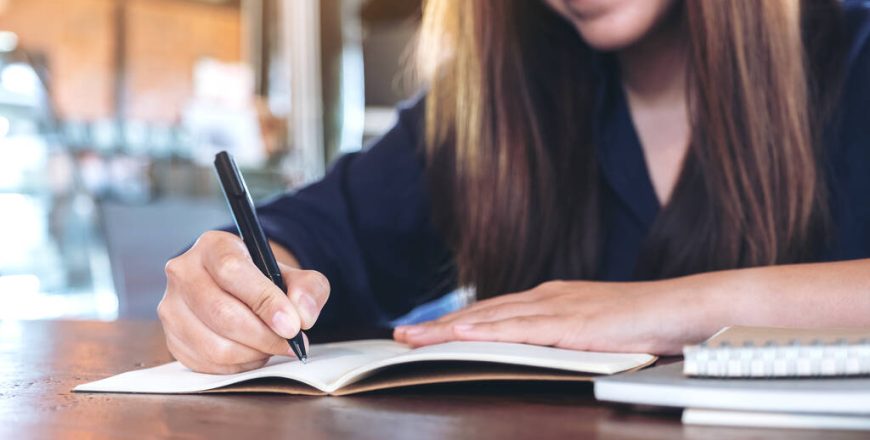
<point x="308" y="290"/>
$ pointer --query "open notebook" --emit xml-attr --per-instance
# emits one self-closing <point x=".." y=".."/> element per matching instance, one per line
<point x="353" y="367"/>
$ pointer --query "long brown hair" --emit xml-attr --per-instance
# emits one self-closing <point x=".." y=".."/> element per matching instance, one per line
<point x="511" y="160"/>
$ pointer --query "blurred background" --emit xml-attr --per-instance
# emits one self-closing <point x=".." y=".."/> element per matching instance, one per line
<point x="111" y="112"/>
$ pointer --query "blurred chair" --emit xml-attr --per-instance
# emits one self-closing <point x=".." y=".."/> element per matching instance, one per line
<point x="141" y="238"/>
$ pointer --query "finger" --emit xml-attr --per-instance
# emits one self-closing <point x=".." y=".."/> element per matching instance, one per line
<point x="419" y="335"/>
<point x="442" y="330"/>
<point x="189" y="359"/>
<point x="537" y="330"/>
<point x="233" y="270"/>
<point x="208" y="345"/>
<point x="399" y="333"/>
<point x="185" y="355"/>
<point x="499" y="300"/>
<point x="308" y="290"/>
<point x="227" y="316"/>
<point x="491" y="312"/>
<point x="531" y="296"/>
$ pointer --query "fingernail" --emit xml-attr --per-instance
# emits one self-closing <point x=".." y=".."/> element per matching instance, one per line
<point x="308" y="306"/>
<point x="282" y="324"/>
<point x="414" y="330"/>
<point x="463" y="327"/>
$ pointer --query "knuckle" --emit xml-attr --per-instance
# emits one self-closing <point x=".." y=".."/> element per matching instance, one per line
<point x="318" y="279"/>
<point x="172" y="269"/>
<point x="543" y="287"/>
<point x="295" y="293"/>
<point x="221" y="353"/>
<point x="162" y="310"/>
<point x="228" y="265"/>
<point x="223" y="313"/>
<point x="263" y="302"/>
<point x="489" y="314"/>
<point x="210" y="238"/>
<point x="554" y="285"/>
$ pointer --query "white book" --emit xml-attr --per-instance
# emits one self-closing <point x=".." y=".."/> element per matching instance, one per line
<point x="667" y="386"/>
<point x="357" y="366"/>
<point x="780" y="352"/>
<point x="749" y="419"/>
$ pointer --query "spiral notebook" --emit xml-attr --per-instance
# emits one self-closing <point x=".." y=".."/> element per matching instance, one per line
<point x="778" y="352"/>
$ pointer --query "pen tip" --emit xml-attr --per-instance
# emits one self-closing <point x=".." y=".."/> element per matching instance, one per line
<point x="304" y="359"/>
<point x="298" y="348"/>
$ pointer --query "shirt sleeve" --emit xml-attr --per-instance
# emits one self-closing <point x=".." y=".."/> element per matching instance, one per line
<point x="367" y="227"/>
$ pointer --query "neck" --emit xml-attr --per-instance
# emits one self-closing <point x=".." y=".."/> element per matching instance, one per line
<point x="654" y="69"/>
<point x="654" y="79"/>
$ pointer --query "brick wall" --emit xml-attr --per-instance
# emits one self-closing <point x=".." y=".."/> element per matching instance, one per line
<point x="164" y="40"/>
<point x="76" y="38"/>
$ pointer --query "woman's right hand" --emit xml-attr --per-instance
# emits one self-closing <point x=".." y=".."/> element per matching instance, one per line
<point x="221" y="315"/>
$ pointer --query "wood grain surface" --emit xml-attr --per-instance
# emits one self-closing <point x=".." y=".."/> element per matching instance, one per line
<point x="41" y="361"/>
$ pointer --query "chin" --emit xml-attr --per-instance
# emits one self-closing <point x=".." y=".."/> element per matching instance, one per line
<point x="612" y="25"/>
<point x="608" y="39"/>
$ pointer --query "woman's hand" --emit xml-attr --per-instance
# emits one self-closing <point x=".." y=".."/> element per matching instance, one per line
<point x="221" y="315"/>
<point x="643" y="317"/>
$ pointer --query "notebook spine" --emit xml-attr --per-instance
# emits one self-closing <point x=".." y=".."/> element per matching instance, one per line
<point x="773" y="360"/>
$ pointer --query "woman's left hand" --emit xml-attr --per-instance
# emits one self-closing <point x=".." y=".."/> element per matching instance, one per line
<point x="648" y="317"/>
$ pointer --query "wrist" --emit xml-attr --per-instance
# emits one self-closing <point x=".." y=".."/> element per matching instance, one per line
<point x="726" y="298"/>
<point x="705" y="303"/>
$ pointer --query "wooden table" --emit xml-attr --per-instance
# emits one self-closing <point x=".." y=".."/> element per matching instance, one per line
<point x="41" y="361"/>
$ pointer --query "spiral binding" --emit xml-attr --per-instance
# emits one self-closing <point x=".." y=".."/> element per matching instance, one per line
<point x="816" y="359"/>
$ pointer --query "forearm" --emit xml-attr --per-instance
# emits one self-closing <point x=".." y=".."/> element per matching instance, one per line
<point x="800" y="295"/>
<point x="661" y="316"/>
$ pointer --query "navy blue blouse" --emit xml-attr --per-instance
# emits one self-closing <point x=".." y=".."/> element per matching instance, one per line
<point x="367" y="224"/>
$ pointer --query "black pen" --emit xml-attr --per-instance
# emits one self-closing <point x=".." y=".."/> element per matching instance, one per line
<point x="242" y="207"/>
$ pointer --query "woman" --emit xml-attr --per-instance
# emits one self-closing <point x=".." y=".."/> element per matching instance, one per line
<point x="679" y="165"/>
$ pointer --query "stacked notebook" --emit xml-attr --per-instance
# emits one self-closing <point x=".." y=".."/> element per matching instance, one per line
<point x="777" y="352"/>
<point x="761" y="377"/>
